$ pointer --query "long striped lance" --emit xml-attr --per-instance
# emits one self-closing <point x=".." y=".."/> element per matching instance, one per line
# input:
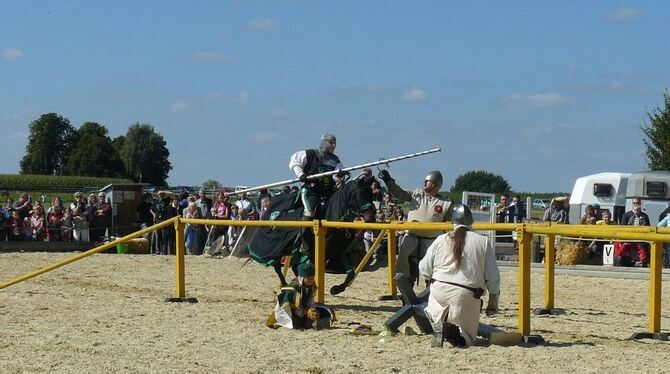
<point x="349" y="169"/>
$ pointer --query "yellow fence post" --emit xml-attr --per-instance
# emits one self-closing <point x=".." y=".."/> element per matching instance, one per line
<point x="524" y="280"/>
<point x="655" y="288"/>
<point x="179" y="243"/>
<point x="320" y="259"/>
<point x="549" y="260"/>
<point x="180" y="269"/>
<point x="392" y="243"/>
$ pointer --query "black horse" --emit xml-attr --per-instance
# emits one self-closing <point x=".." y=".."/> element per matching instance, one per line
<point x="270" y="244"/>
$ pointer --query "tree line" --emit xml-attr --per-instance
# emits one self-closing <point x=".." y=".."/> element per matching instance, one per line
<point x="55" y="147"/>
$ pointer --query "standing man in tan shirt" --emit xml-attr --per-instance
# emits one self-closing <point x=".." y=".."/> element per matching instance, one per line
<point x="425" y="205"/>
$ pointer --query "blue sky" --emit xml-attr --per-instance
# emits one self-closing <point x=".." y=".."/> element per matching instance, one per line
<point x="538" y="92"/>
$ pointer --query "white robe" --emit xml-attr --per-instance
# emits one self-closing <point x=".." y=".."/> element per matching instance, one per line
<point x="478" y="270"/>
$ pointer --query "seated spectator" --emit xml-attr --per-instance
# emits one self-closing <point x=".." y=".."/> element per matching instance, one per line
<point x="56" y="201"/>
<point x="37" y="224"/>
<point x="145" y="211"/>
<point x="265" y="204"/>
<point x="606" y="218"/>
<point x="388" y="204"/>
<point x="556" y="212"/>
<point x="183" y="202"/>
<point x="502" y="210"/>
<point x="102" y="219"/>
<point x="589" y="217"/>
<point x="295" y="189"/>
<point x="597" y="211"/>
<point x="55" y="220"/>
<point x="161" y="209"/>
<point x="192" y="231"/>
<point x="243" y="203"/>
<point x="80" y="218"/>
<point x="24" y="205"/>
<point x="67" y="226"/>
<point x="27" y="230"/>
<point x="503" y="215"/>
<point x="377" y="192"/>
<point x="234" y="231"/>
<point x="632" y="253"/>
<point x="286" y="189"/>
<point x="516" y="211"/>
<point x="15" y="227"/>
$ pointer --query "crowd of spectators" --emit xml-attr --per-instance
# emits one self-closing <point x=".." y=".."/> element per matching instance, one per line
<point x="198" y="238"/>
<point x="85" y="220"/>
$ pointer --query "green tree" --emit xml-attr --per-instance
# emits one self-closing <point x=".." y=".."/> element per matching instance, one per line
<point x="94" y="154"/>
<point x="481" y="181"/>
<point x="657" y="132"/>
<point x="211" y="184"/>
<point x="49" y="145"/>
<point x="145" y="155"/>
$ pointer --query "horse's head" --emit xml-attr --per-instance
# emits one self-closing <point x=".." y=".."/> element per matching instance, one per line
<point x="352" y="200"/>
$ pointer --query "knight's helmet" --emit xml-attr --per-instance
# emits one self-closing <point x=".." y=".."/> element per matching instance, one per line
<point x="436" y="177"/>
<point x="325" y="138"/>
<point x="461" y="215"/>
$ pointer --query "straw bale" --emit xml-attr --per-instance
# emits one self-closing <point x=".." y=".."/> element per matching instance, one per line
<point x="571" y="252"/>
<point x="138" y="246"/>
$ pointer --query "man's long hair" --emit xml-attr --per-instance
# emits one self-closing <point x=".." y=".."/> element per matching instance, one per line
<point x="458" y="236"/>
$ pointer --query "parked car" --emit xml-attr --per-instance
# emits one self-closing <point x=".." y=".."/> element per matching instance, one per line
<point x="540" y="204"/>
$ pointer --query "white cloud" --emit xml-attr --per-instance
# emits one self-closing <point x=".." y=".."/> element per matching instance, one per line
<point x="11" y="54"/>
<point x="204" y="56"/>
<point x="179" y="106"/>
<point x="243" y="97"/>
<point x="540" y="100"/>
<point x="263" y="24"/>
<point x="414" y="95"/>
<point x="11" y="117"/>
<point x="624" y="15"/>
<point x="264" y="137"/>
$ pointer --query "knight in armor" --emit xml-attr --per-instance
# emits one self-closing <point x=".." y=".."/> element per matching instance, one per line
<point x="425" y="205"/>
<point x="314" y="191"/>
<point x="295" y="307"/>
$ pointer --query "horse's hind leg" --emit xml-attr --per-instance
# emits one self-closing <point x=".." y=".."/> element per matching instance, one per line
<point x="339" y="288"/>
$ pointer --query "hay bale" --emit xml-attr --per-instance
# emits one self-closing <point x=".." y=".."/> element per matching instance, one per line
<point x="571" y="253"/>
<point x="138" y="246"/>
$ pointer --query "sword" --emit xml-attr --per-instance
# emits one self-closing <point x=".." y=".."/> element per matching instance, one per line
<point x="333" y="172"/>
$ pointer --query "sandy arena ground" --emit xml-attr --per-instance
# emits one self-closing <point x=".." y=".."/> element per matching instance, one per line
<point x="106" y="314"/>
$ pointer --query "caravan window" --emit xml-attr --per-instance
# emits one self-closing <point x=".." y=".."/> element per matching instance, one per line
<point x="657" y="189"/>
<point x="603" y="189"/>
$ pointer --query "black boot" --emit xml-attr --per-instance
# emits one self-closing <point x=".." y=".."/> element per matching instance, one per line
<point x="452" y="334"/>
<point x="307" y="238"/>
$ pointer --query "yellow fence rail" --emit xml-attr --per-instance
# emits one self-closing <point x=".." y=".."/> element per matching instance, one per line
<point x="525" y="234"/>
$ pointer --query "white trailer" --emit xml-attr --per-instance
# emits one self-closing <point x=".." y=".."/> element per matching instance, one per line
<point x="609" y="190"/>
<point x="652" y="189"/>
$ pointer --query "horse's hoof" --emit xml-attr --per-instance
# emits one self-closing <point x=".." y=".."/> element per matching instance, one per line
<point x="337" y="289"/>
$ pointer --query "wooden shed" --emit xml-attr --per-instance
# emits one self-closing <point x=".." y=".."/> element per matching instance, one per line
<point x="124" y="199"/>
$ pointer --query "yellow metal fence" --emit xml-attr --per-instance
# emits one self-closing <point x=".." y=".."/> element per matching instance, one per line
<point x="525" y="234"/>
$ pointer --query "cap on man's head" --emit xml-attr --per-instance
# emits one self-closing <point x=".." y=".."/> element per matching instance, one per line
<point x="306" y="269"/>
<point x="596" y="206"/>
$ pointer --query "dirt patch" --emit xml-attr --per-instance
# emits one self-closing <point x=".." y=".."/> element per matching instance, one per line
<point x="106" y="314"/>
